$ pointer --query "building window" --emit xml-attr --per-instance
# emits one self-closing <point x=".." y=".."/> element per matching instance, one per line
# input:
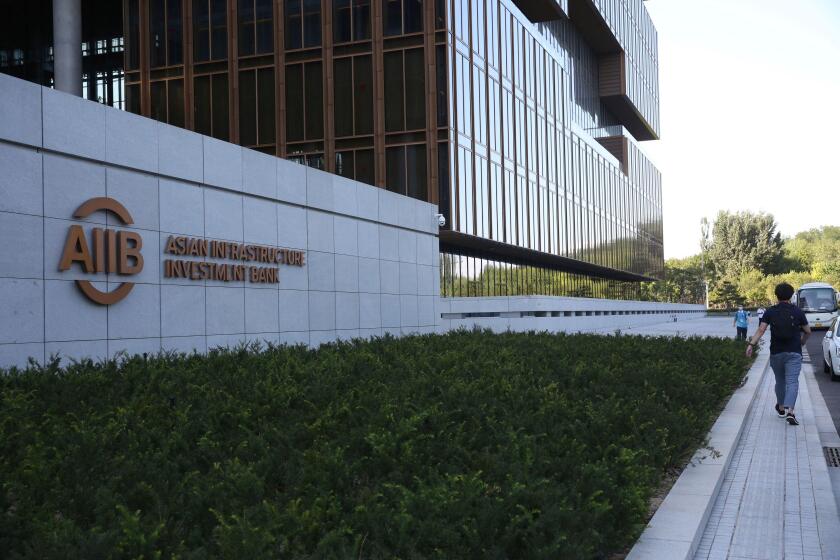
<point x="303" y="24"/>
<point x="353" y="85"/>
<point x="355" y="164"/>
<point x="132" y="55"/>
<point x="106" y="87"/>
<point x="209" y="30"/>
<point x="132" y="98"/>
<point x="311" y="160"/>
<point x="256" y="35"/>
<point x="442" y="86"/>
<point x="405" y="170"/>
<point x="211" y="106"/>
<point x="165" y="33"/>
<point x="256" y="107"/>
<point x="405" y="90"/>
<point x="304" y="102"/>
<point x="440" y="14"/>
<point x="167" y="101"/>
<point x="401" y="17"/>
<point x="351" y="20"/>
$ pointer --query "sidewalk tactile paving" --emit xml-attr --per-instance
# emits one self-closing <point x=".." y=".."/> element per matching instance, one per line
<point x="772" y="502"/>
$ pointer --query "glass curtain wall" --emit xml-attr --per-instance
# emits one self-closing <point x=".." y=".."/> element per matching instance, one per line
<point x="471" y="276"/>
<point x="523" y="174"/>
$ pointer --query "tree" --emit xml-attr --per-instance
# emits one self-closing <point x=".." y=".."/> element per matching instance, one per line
<point x="816" y="251"/>
<point x="726" y="295"/>
<point x="753" y="286"/>
<point x="682" y="282"/>
<point x="744" y="241"/>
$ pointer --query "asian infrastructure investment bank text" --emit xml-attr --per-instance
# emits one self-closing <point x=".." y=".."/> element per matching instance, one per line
<point x="231" y="251"/>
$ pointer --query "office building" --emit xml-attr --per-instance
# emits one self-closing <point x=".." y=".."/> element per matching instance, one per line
<point x="519" y="119"/>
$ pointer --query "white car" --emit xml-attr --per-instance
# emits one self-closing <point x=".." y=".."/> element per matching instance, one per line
<point x="831" y="350"/>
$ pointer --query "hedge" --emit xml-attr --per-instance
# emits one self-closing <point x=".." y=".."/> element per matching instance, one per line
<point x="464" y="445"/>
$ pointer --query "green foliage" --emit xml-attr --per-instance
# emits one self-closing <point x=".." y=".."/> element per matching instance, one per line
<point x="744" y="241"/>
<point x="752" y="288"/>
<point x="816" y="252"/>
<point x="682" y="282"/>
<point x="467" y="445"/>
<point x="726" y="295"/>
<point x="744" y="255"/>
<point x="810" y="256"/>
<point x="495" y="280"/>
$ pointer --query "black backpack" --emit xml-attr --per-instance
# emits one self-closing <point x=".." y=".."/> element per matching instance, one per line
<point x="783" y="324"/>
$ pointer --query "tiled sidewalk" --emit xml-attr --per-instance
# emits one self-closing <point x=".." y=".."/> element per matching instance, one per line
<point x="776" y="499"/>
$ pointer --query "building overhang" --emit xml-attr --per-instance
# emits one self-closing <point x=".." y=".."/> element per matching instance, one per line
<point x="612" y="68"/>
<point x="593" y="27"/>
<point x="625" y="111"/>
<point x="618" y="146"/>
<point x="543" y="10"/>
<point x="489" y="249"/>
<point x="612" y="89"/>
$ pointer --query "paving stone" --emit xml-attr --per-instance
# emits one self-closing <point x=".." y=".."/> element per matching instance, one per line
<point x="775" y="500"/>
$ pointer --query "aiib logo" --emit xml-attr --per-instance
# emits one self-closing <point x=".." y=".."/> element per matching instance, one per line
<point x="114" y="252"/>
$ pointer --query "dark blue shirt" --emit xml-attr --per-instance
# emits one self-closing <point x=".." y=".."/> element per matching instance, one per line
<point x="778" y="345"/>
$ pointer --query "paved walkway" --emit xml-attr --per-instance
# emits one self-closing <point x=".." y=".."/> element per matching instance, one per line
<point x="706" y="326"/>
<point x="776" y="500"/>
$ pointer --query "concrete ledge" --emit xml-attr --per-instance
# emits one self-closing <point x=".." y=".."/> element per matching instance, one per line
<point x="675" y="530"/>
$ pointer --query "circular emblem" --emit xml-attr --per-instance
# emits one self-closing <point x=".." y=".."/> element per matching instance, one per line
<point x="110" y="251"/>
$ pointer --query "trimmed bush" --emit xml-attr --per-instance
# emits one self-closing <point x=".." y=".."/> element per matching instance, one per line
<point x="465" y="445"/>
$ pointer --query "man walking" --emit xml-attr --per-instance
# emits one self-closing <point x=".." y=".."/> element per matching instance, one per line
<point x="741" y="322"/>
<point x="788" y="332"/>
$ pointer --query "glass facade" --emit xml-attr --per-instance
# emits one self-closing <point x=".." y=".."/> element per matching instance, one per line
<point x="518" y="130"/>
<point x="525" y="167"/>
<point x="470" y="276"/>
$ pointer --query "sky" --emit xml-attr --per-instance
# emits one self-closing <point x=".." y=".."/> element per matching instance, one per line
<point x="750" y="111"/>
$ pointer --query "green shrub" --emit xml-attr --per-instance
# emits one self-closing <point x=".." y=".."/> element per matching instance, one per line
<point x="466" y="445"/>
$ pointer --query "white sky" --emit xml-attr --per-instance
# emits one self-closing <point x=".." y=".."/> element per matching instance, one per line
<point x="750" y="107"/>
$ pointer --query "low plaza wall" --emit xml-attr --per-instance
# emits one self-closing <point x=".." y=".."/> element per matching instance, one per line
<point x="123" y="234"/>
<point x="559" y="314"/>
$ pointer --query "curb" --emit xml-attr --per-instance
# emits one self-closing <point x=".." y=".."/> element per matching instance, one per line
<point x="818" y="432"/>
<point x="676" y="528"/>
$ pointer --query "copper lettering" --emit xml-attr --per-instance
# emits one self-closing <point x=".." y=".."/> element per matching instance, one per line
<point x="99" y="249"/>
<point x="76" y="250"/>
<point x="111" y="251"/>
<point x="171" y="245"/>
<point x="132" y="251"/>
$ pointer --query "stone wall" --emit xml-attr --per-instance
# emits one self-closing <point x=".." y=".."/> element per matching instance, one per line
<point x="370" y="256"/>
